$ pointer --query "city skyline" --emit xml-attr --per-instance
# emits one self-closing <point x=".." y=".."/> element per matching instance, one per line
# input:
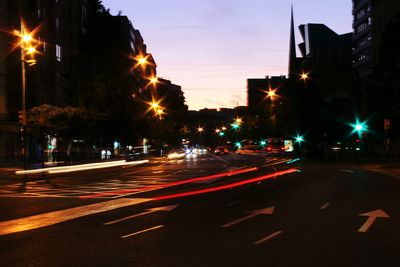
<point x="188" y="41"/>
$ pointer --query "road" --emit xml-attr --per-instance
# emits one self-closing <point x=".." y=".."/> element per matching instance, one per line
<point x="234" y="210"/>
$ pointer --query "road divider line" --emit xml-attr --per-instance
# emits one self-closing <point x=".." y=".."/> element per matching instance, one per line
<point x="325" y="206"/>
<point x="165" y="208"/>
<point x="267" y="211"/>
<point x="143" y="231"/>
<point x="234" y="203"/>
<point x="54" y="217"/>
<point x="268" y="238"/>
<point x="347" y="171"/>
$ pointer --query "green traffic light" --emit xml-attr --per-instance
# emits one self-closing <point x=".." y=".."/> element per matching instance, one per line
<point x="299" y="139"/>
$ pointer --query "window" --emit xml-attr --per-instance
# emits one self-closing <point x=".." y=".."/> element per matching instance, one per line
<point x="361" y="27"/>
<point x="57" y="24"/>
<point x="58" y="52"/>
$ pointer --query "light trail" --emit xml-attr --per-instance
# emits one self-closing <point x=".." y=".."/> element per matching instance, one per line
<point x="81" y="167"/>
<point x="154" y="187"/>
<point x="228" y="186"/>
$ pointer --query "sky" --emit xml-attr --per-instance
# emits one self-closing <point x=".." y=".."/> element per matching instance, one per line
<point x="211" y="47"/>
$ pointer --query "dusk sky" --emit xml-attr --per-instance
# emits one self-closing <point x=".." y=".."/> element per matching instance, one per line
<point x="210" y="47"/>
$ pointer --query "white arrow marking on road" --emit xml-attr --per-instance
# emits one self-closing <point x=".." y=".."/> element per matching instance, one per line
<point x="254" y="213"/>
<point x="143" y="231"/>
<point x="164" y="208"/>
<point x="372" y="215"/>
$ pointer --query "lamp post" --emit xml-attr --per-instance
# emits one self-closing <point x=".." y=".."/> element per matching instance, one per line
<point x="26" y="48"/>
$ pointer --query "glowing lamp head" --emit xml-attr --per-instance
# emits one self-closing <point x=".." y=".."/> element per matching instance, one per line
<point x="153" y="80"/>
<point x="154" y="105"/>
<point x="31" y="50"/>
<point x="26" y="38"/>
<point x="304" y="76"/>
<point x="142" y="61"/>
<point x="200" y="129"/>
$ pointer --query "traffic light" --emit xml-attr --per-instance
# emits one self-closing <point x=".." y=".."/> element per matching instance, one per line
<point x="299" y="139"/>
<point x="360" y="127"/>
<point x="22" y="117"/>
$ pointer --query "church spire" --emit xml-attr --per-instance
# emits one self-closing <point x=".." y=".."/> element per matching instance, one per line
<point x="292" y="47"/>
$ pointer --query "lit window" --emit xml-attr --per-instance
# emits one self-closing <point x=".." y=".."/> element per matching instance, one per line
<point x="58" y="53"/>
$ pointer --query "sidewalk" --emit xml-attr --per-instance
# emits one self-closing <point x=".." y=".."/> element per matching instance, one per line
<point x="390" y="169"/>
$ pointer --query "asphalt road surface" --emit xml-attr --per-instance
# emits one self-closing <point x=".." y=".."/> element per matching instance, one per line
<point x="233" y="210"/>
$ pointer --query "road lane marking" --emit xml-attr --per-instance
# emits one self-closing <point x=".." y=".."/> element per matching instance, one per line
<point x="54" y="217"/>
<point x="348" y="171"/>
<point x="268" y="238"/>
<point x="325" y="206"/>
<point x="234" y="203"/>
<point x="165" y="208"/>
<point x="143" y="231"/>
<point x="372" y="215"/>
<point x="267" y="211"/>
<point x="221" y="159"/>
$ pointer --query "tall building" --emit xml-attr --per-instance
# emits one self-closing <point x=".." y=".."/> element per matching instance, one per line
<point x="327" y="58"/>
<point x="370" y="18"/>
<point x="58" y="28"/>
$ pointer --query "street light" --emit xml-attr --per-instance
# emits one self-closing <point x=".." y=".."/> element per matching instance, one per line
<point x="25" y="43"/>
<point x="271" y="94"/>
<point x="304" y="76"/>
<point x="200" y="129"/>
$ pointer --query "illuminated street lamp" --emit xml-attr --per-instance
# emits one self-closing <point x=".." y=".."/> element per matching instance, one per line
<point x="25" y="43"/>
<point x="217" y="130"/>
<point x="238" y="121"/>
<point x="304" y="76"/>
<point x="200" y="129"/>
<point x="271" y="94"/>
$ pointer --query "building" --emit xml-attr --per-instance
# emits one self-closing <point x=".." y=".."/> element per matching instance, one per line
<point x="58" y="27"/>
<point x="370" y="19"/>
<point x="327" y="58"/>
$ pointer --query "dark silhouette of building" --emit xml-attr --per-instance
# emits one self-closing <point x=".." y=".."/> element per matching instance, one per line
<point x="59" y="28"/>
<point x="327" y="58"/>
<point x="370" y="19"/>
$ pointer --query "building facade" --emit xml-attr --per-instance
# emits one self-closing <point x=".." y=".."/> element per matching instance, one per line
<point x="370" y="18"/>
